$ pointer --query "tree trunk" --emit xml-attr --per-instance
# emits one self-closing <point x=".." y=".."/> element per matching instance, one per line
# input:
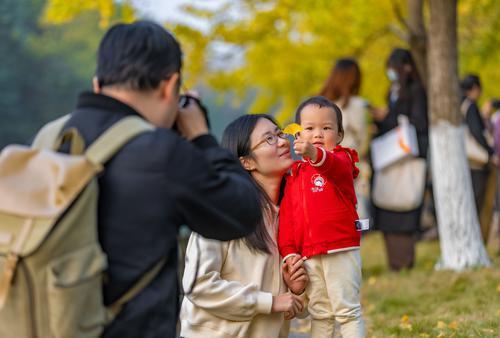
<point x="417" y="37"/>
<point x="459" y="231"/>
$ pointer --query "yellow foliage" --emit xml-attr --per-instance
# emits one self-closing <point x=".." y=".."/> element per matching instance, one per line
<point x="61" y="11"/>
<point x="283" y="50"/>
<point x="453" y="325"/>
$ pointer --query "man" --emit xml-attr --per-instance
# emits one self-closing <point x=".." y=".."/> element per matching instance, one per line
<point x="159" y="180"/>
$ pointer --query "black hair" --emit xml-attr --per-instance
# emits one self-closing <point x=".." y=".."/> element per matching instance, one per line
<point x="495" y="103"/>
<point x="321" y="102"/>
<point x="398" y="59"/>
<point x="236" y="138"/>
<point x="138" y="56"/>
<point x="469" y="82"/>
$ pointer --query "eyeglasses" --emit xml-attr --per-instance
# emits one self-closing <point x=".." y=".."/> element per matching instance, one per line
<point x="271" y="139"/>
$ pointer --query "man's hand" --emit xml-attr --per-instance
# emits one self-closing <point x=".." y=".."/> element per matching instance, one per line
<point x="295" y="275"/>
<point x="191" y="121"/>
<point x="305" y="149"/>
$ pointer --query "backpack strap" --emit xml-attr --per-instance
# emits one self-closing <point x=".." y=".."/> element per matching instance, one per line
<point x="115" y="308"/>
<point x="48" y="135"/>
<point x="116" y="137"/>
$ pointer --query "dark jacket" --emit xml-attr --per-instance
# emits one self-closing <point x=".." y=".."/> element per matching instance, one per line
<point x="476" y="125"/>
<point x="154" y="184"/>
<point x="412" y="102"/>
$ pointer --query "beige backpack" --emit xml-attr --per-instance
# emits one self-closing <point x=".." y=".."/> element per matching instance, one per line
<point x="51" y="263"/>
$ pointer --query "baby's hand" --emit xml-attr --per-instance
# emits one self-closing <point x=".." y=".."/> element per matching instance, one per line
<point x="305" y="148"/>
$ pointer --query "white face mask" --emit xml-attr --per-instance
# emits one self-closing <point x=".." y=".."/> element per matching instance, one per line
<point x="392" y="75"/>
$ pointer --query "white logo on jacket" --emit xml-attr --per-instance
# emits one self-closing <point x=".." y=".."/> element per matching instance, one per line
<point x="318" y="183"/>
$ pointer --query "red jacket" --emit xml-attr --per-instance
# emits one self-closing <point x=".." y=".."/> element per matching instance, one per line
<point x="318" y="210"/>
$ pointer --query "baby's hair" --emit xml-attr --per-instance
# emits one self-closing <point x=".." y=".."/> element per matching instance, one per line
<point x="321" y="102"/>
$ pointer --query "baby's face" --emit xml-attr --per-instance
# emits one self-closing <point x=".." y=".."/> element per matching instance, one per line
<point x="320" y="126"/>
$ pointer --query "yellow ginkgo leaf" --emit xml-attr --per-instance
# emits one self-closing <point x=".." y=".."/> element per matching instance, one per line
<point x="441" y="325"/>
<point x="498" y="288"/>
<point x="372" y="280"/>
<point x="453" y="325"/>
<point x="405" y="319"/>
<point x="292" y="129"/>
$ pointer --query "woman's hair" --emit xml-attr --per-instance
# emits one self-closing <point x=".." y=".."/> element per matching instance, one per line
<point x="398" y="59"/>
<point x="236" y="138"/>
<point x="321" y="102"/>
<point x="469" y="82"/>
<point x="344" y="81"/>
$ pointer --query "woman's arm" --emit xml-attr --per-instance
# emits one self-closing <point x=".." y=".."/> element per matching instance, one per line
<point x="226" y="299"/>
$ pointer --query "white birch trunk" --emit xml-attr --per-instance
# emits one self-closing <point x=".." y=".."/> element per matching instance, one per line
<point x="459" y="232"/>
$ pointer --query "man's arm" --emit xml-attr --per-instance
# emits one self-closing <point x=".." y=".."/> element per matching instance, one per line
<point x="214" y="194"/>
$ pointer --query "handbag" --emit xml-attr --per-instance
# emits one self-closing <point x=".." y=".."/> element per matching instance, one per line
<point x="400" y="186"/>
<point x="476" y="154"/>
<point x="395" y="145"/>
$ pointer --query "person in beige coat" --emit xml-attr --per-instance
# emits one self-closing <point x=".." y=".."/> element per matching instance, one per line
<point x="237" y="288"/>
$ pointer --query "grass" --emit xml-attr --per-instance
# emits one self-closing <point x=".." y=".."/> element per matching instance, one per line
<point x="424" y="302"/>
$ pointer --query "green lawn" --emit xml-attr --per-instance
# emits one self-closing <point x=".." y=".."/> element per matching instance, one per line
<point x="428" y="303"/>
<point x="424" y="302"/>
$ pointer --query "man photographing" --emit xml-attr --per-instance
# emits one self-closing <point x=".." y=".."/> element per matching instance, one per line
<point x="159" y="180"/>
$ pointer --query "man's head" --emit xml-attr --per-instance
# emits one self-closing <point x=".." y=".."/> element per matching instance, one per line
<point x="471" y="86"/>
<point x="143" y="58"/>
<point x="321" y="121"/>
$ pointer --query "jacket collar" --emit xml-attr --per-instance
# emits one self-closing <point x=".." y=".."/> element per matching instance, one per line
<point x="100" y="101"/>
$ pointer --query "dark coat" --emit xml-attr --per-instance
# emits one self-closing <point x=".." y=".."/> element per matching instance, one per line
<point x="411" y="102"/>
<point x="153" y="185"/>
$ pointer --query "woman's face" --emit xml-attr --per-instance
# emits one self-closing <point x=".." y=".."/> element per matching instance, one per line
<point x="268" y="159"/>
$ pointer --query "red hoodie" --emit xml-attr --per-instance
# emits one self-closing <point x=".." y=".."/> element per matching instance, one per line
<point x="318" y="210"/>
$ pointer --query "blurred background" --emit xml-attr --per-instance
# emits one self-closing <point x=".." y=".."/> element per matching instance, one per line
<point x="244" y="56"/>
<point x="266" y="56"/>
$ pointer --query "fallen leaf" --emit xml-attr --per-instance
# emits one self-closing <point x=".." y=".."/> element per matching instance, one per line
<point x="405" y="319"/>
<point x="441" y="325"/>
<point x="498" y="288"/>
<point x="440" y="335"/>
<point x="453" y="325"/>
<point x="372" y="280"/>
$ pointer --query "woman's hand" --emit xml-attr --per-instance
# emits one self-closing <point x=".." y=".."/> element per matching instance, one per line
<point x="289" y="303"/>
<point x="379" y="114"/>
<point x="295" y="275"/>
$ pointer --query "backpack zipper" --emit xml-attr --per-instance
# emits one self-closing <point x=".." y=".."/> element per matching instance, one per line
<point x="31" y="310"/>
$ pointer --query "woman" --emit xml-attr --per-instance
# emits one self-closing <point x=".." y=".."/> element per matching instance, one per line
<point x="406" y="97"/>
<point x="342" y="87"/>
<point x="236" y="289"/>
<point x="480" y="171"/>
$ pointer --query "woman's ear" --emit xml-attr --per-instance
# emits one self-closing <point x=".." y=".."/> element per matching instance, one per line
<point x="247" y="162"/>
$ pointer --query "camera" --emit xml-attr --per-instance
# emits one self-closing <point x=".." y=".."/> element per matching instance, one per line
<point x="185" y="100"/>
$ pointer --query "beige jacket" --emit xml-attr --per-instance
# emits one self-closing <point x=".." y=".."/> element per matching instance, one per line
<point x="232" y="294"/>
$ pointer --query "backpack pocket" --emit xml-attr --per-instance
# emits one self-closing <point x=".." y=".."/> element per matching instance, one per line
<point x="75" y="300"/>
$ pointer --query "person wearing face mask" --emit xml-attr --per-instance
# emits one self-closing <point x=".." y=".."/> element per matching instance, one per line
<point x="406" y="97"/>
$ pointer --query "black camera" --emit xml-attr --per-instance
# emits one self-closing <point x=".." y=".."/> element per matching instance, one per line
<point x="185" y="100"/>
